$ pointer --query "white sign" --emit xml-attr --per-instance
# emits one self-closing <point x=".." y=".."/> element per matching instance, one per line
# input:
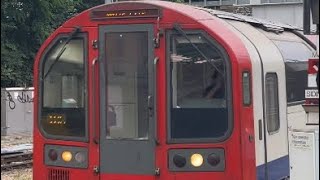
<point x="301" y="141"/>
<point x="311" y="94"/>
<point x="302" y="155"/>
<point x="312" y="80"/>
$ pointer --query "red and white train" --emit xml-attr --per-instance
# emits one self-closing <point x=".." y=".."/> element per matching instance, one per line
<point x="154" y="90"/>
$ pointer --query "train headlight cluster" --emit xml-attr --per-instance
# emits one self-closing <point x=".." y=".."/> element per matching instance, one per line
<point x="197" y="160"/>
<point x="66" y="156"/>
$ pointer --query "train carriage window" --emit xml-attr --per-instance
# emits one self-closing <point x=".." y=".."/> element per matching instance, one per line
<point x="272" y="102"/>
<point x="63" y="89"/>
<point x="296" y="57"/>
<point x="246" y="88"/>
<point x="199" y="107"/>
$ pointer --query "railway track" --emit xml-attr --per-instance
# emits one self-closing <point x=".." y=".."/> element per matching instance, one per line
<point x="16" y="160"/>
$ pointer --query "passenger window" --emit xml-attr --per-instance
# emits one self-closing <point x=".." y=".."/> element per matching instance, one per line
<point x="295" y="55"/>
<point x="272" y="102"/>
<point x="246" y="88"/>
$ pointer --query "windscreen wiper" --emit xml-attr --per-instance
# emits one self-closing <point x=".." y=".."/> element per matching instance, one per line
<point x="178" y="28"/>
<point x="71" y="35"/>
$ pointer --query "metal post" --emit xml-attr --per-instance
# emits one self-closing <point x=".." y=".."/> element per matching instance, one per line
<point x="306" y="17"/>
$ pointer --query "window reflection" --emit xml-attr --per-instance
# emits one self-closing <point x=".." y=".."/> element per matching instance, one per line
<point x="127" y="85"/>
<point x="296" y="57"/>
<point x="197" y="81"/>
<point x="63" y="90"/>
<point x="272" y="102"/>
<point x="198" y="89"/>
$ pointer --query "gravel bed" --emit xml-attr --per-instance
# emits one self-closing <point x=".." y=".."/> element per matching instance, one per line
<point x="7" y="141"/>
<point x="16" y="174"/>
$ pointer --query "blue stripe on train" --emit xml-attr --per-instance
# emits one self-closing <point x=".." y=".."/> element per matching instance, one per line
<point x="278" y="169"/>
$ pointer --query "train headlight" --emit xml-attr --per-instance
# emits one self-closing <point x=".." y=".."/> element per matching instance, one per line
<point x="179" y="161"/>
<point x="53" y="155"/>
<point x="196" y="160"/>
<point x="213" y="159"/>
<point x="79" y="157"/>
<point x="66" y="156"/>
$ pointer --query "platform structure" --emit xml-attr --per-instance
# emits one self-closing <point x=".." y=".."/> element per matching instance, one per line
<point x="304" y="132"/>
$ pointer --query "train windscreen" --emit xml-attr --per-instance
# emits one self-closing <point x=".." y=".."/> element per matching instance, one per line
<point x="62" y="111"/>
<point x="199" y="107"/>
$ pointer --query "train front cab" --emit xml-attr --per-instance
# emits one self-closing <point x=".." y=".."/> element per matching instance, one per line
<point x="125" y="91"/>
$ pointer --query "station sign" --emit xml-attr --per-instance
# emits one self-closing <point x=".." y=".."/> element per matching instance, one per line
<point x="311" y="94"/>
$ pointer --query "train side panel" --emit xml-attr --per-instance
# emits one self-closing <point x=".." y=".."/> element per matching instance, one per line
<point x="275" y="148"/>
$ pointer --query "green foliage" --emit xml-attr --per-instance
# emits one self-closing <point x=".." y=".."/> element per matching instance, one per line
<point x="25" y="24"/>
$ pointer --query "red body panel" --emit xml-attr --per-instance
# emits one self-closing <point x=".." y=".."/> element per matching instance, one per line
<point x="40" y="170"/>
<point x="239" y="147"/>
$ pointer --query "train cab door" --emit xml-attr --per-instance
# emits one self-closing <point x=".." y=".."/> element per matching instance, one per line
<point x="127" y="124"/>
<point x="275" y="114"/>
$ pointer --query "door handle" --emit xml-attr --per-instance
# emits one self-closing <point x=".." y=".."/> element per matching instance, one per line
<point x="150" y="104"/>
<point x="157" y="172"/>
<point x="260" y="129"/>
<point x="96" y="170"/>
<point x="155" y="66"/>
<point x="95" y="137"/>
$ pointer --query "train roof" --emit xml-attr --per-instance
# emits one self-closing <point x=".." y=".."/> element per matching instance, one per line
<point x="265" y="24"/>
<point x="197" y="13"/>
<point x="194" y="12"/>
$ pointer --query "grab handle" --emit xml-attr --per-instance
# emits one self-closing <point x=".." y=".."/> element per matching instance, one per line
<point x="260" y="129"/>
<point x="155" y="64"/>
<point x="95" y="137"/>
